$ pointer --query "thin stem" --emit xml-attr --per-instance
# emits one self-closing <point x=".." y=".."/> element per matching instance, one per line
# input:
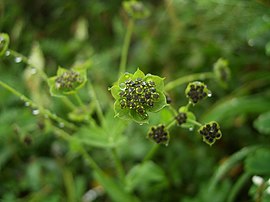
<point x="124" y="53"/>
<point x="194" y="122"/>
<point x="68" y="103"/>
<point x="170" y="124"/>
<point x="226" y="166"/>
<point x="237" y="186"/>
<point x="118" y="164"/>
<point x="188" y="78"/>
<point x="151" y="152"/>
<point x="26" y="61"/>
<point x="77" y="97"/>
<point x="42" y="110"/>
<point x="98" y="107"/>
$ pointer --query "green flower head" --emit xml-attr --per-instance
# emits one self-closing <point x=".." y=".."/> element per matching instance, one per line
<point x="136" y="9"/>
<point x="197" y="91"/>
<point x="210" y="132"/>
<point x="222" y="72"/>
<point x="67" y="81"/>
<point x="4" y="42"/>
<point x="136" y="94"/>
<point x="159" y="135"/>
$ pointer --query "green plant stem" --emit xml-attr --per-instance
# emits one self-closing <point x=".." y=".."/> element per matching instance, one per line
<point x="36" y="106"/>
<point x="226" y="166"/>
<point x="118" y="165"/>
<point x="151" y="152"/>
<point x="170" y="124"/>
<point x="188" y="78"/>
<point x="69" y="185"/>
<point x="194" y="122"/>
<point x="98" y="107"/>
<point x="237" y="186"/>
<point x="124" y="53"/>
<point x="77" y="97"/>
<point x="68" y="103"/>
<point x="26" y="61"/>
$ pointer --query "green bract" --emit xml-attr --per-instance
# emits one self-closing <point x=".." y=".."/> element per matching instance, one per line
<point x="136" y="94"/>
<point x="67" y="81"/>
<point x="4" y="42"/>
<point x="136" y="9"/>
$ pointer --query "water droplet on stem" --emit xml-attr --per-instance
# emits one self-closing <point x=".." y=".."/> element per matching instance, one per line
<point x="35" y="112"/>
<point x="18" y="59"/>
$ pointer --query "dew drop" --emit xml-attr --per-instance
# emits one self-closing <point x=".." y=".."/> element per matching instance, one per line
<point x="209" y="94"/>
<point x="35" y="112"/>
<point x="251" y="42"/>
<point x="257" y="180"/>
<point x="27" y="104"/>
<point x="33" y="70"/>
<point x="46" y="116"/>
<point x="18" y="59"/>
<point x="191" y="129"/>
<point x="268" y="190"/>
<point x="61" y="125"/>
<point x="122" y="86"/>
<point x="7" y="53"/>
<point x="140" y="124"/>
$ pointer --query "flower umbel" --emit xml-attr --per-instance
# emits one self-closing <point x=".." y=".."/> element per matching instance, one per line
<point x="136" y="9"/>
<point x="159" y="135"/>
<point x="136" y="94"/>
<point x="210" y="132"/>
<point x="197" y="91"/>
<point x="181" y="118"/>
<point x="67" y="81"/>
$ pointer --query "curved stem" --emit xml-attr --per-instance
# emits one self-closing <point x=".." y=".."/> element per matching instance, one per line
<point x="124" y="53"/>
<point x="77" y="97"/>
<point x="26" y="61"/>
<point x="151" y="152"/>
<point x="226" y="166"/>
<point x="118" y="165"/>
<point x="40" y="108"/>
<point x="237" y="186"/>
<point x="188" y="78"/>
<point x="68" y="103"/>
<point x="194" y="122"/>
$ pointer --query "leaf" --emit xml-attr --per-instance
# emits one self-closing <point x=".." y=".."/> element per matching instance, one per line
<point x="160" y="104"/>
<point x="138" y="74"/>
<point x="145" y="174"/>
<point x="114" y="190"/>
<point x="235" y="106"/>
<point x="262" y="123"/>
<point x="258" y="162"/>
<point x="159" y="82"/>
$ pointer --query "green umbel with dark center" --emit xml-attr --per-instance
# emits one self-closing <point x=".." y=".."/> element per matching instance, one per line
<point x="159" y="134"/>
<point x="68" y="80"/>
<point x="138" y="95"/>
<point x="210" y="132"/>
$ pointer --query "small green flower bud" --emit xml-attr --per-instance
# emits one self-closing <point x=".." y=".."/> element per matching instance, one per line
<point x="197" y="91"/>
<point x="159" y="135"/>
<point x="136" y="9"/>
<point x="68" y="81"/>
<point x="210" y="132"/>
<point x="222" y="72"/>
<point x="181" y="118"/>
<point x="4" y="42"/>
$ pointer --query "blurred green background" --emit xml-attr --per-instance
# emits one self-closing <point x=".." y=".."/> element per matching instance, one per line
<point x="179" y="38"/>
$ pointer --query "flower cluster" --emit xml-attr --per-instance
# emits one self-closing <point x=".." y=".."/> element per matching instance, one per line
<point x="181" y="118"/>
<point x="136" y="9"/>
<point x="222" y="72"/>
<point x="67" y="81"/>
<point x="210" y="132"/>
<point x="136" y="94"/>
<point x="159" y="135"/>
<point x="197" y="91"/>
<point x="4" y="42"/>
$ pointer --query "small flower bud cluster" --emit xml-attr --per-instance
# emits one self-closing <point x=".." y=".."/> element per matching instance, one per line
<point x="68" y="80"/>
<point x="196" y="91"/>
<point x="181" y="118"/>
<point x="136" y="9"/>
<point x="159" y="134"/>
<point x="138" y="95"/>
<point x="210" y="132"/>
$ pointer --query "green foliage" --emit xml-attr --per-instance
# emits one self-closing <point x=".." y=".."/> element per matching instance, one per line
<point x="60" y="139"/>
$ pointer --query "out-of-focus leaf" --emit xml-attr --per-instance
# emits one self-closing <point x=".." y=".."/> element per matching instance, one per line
<point x="262" y="123"/>
<point x="145" y="174"/>
<point x="258" y="162"/>
<point x="235" y="106"/>
<point x="115" y="190"/>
